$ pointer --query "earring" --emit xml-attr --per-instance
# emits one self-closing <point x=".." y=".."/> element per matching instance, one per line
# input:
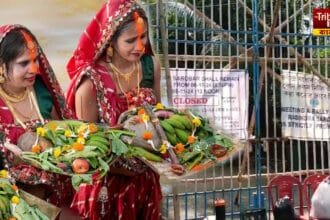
<point x="109" y="52"/>
<point x="2" y="73"/>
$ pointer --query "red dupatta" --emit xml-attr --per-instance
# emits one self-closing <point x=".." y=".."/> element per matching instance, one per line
<point x="92" y="44"/>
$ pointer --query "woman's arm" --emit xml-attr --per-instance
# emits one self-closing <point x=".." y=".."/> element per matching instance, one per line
<point x="157" y="77"/>
<point x="86" y="101"/>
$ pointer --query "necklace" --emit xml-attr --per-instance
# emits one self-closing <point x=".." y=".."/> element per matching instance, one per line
<point x="28" y="115"/>
<point x="125" y="76"/>
<point x="12" y="97"/>
<point x="121" y="88"/>
<point x="34" y="105"/>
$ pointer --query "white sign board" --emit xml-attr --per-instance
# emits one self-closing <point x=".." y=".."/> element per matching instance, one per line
<point x="305" y="107"/>
<point x="219" y="95"/>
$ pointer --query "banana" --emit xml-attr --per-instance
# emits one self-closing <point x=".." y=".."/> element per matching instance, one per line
<point x="172" y="138"/>
<point x="100" y="139"/>
<point x="4" y="205"/>
<point x="103" y="148"/>
<point x="168" y="128"/>
<point x="98" y="134"/>
<point x="186" y="121"/>
<point x="175" y="123"/>
<point x="182" y="135"/>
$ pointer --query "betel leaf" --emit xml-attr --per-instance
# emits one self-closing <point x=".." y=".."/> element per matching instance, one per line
<point x="78" y="179"/>
<point x="41" y="215"/>
<point x="118" y="146"/>
<point x="93" y="162"/>
<point x="104" y="167"/>
<point x="49" y="134"/>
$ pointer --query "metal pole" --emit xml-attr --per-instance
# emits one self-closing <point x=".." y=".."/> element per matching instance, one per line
<point x="163" y="36"/>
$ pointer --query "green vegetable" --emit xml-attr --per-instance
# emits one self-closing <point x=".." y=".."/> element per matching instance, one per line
<point x="196" y="161"/>
<point x="187" y="156"/>
<point x="118" y="146"/>
<point x="138" y="151"/>
<point x="78" y="179"/>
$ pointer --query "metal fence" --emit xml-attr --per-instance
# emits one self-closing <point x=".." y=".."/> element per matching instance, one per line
<point x="263" y="37"/>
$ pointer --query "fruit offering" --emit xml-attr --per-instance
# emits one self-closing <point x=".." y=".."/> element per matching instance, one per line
<point x="186" y="134"/>
<point x="73" y="148"/>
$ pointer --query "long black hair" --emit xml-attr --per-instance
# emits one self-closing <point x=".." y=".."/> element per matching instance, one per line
<point x="12" y="46"/>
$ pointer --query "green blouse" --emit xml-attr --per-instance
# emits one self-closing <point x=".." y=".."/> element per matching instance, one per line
<point x="44" y="98"/>
<point x="148" y="72"/>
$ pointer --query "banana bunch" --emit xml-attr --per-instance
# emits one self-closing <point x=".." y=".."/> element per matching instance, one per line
<point x="178" y="127"/>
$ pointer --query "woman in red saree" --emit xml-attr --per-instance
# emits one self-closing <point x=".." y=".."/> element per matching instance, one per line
<point x="113" y="70"/>
<point x="29" y="96"/>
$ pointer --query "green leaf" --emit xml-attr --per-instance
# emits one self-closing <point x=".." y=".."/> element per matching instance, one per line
<point x="49" y="134"/>
<point x="78" y="179"/>
<point x="118" y="146"/>
<point x="104" y="167"/>
<point x="93" y="162"/>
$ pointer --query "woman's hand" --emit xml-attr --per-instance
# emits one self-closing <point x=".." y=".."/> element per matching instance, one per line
<point x="86" y="102"/>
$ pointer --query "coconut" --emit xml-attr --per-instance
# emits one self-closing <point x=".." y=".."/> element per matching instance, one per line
<point x="26" y="141"/>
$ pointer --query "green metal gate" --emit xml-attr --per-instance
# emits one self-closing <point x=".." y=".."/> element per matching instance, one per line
<point x="265" y="38"/>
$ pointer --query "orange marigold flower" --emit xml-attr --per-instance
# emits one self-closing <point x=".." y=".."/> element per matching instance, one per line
<point x="12" y="218"/>
<point x="138" y="119"/>
<point x="53" y="126"/>
<point x="92" y="128"/>
<point x="36" y="149"/>
<point x="179" y="148"/>
<point x="141" y="111"/>
<point x="191" y="139"/>
<point x="147" y="135"/>
<point x="14" y="187"/>
<point x="78" y="146"/>
<point x="81" y="134"/>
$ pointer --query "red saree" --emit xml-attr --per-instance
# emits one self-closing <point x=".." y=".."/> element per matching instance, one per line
<point x="121" y="197"/>
<point x="59" y="189"/>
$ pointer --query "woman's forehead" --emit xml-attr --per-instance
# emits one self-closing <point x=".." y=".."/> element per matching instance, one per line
<point x="134" y="28"/>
